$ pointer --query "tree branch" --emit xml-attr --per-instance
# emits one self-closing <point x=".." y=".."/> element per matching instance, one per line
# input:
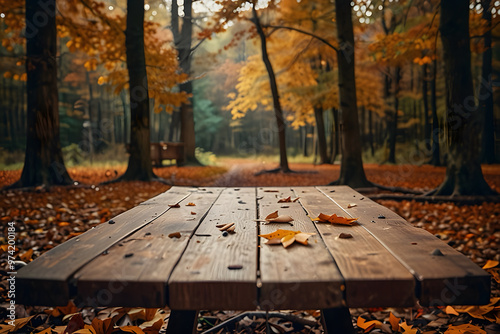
<point x="305" y="33"/>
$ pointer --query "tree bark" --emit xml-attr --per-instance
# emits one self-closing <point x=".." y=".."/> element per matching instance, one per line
<point x="183" y="41"/>
<point x="139" y="163"/>
<point x="43" y="163"/>
<point x="463" y="172"/>
<point x="435" y="151"/>
<point x="393" y="131"/>
<point x="320" y="127"/>
<point x="486" y="91"/>
<point x="425" y="99"/>
<point x="351" y="169"/>
<point x="278" y="112"/>
<point x="370" y="132"/>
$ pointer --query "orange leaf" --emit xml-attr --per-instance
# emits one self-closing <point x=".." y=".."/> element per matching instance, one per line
<point x="334" y="219"/>
<point x="132" y="329"/>
<point x="450" y="310"/>
<point x="465" y="328"/>
<point x="394" y="322"/>
<point x="490" y="264"/>
<point x="368" y="325"/>
<point x="408" y="329"/>
<point x="278" y="234"/>
<point x="26" y="256"/>
<point x="190" y="204"/>
<point x="285" y="200"/>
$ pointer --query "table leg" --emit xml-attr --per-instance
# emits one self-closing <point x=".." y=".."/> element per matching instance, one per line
<point x="182" y="321"/>
<point x="337" y="321"/>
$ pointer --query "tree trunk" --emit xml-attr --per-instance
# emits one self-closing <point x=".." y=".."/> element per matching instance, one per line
<point x="393" y="131"/>
<point x="43" y="163"/>
<point x="139" y="163"/>
<point x="278" y="112"/>
<point x="486" y="92"/>
<point x="183" y="39"/>
<point x="320" y="127"/>
<point x="425" y="99"/>
<point x="435" y="153"/>
<point x="351" y="169"/>
<point x="370" y="132"/>
<point x="463" y="172"/>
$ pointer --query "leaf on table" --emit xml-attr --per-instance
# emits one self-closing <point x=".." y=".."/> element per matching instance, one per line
<point x="287" y="240"/>
<point x="368" y="325"/>
<point x="190" y="204"/>
<point x="288" y="200"/>
<point x="276" y="218"/>
<point x="464" y="329"/>
<point x="175" y="235"/>
<point x="408" y="329"/>
<point x="176" y="205"/>
<point x="334" y="219"/>
<point x="450" y="310"/>
<point x="394" y="322"/>
<point x="272" y="215"/>
<point x="286" y="237"/>
<point x="490" y="264"/>
<point x="351" y="205"/>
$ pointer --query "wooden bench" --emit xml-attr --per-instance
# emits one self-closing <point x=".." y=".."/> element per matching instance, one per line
<point x="131" y="261"/>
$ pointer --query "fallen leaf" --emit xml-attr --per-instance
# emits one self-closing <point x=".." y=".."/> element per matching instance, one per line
<point x="302" y="238"/>
<point x="76" y="323"/>
<point x="190" y="204"/>
<point x="103" y="326"/>
<point x="345" y="235"/>
<point x="285" y="200"/>
<point x="280" y="219"/>
<point x="334" y="219"/>
<point x="287" y="240"/>
<point x="394" y="322"/>
<point x="275" y="241"/>
<point x="175" y="235"/>
<point x="272" y="215"/>
<point x="464" y="329"/>
<point x="450" y="310"/>
<point x="408" y="329"/>
<point x="490" y="264"/>
<point x="351" y="205"/>
<point x="176" y="205"/>
<point x="18" y="324"/>
<point x="132" y="329"/>
<point x="26" y="256"/>
<point x="368" y="325"/>
<point x="278" y="234"/>
<point x="226" y="226"/>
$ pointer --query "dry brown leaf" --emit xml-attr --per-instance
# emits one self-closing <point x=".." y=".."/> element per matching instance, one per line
<point x="176" y="205"/>
<point x="175" y="235"/>
<point x="190" y="204"/>
<point x="334" y="219"/>
<point x="394" y="322"/>
<point x="285" y="200"/>
<point x="450" y="310"/>
<point x="351" y="205"/>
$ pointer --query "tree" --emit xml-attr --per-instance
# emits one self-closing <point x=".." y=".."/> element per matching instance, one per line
<point x="43" y="162"/>
<point x="486" y="90"/>
<point x="463" y="171"/>
<point x="351" y="169"/>
<point x="139" y="162"/>
<point x="183" y="41"/>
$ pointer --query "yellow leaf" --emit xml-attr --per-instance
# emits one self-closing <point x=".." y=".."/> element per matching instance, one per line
<point x="450" y="310"/>
<point x="287" y="240"/>
<point x="278" y="234"/>
<point x="464" y="329"/>
<point x="394" y="322"/>
<point x="490" y="264"/>
<point x="408" y="329"/>
<point x="102" y="80"/>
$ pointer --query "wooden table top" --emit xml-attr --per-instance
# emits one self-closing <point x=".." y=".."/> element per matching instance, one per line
<point x="131" y="260"/>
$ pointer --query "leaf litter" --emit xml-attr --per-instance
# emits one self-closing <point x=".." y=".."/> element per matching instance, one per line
<point x="42" y="218"/>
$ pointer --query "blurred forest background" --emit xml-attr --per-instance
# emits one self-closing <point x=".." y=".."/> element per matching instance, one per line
<point x="399" y="79"/>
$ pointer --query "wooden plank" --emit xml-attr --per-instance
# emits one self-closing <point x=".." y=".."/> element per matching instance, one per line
<point x="441" y="280"/>
<point x="206" y="276"/>
<point x="45" y="281"/>
<point x="298" y="277"/>
<point x="373" y="276"/>
<point x="135" y="271"/>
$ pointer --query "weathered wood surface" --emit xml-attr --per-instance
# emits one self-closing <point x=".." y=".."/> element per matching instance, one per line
<point x="299" y="276"/>
<point x="220" y="269"/>
<point x="450" y="278"/>
<point x="46" y="281"/>
<point x="135" y="271"/>
<point x="133" y="262"/>
<point x="373" y="276"/>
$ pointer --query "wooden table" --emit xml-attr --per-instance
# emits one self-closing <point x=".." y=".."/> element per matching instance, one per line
<point x="131" y="260"/>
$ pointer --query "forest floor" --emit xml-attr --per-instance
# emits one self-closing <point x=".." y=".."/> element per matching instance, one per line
<point x="47" y="217"/>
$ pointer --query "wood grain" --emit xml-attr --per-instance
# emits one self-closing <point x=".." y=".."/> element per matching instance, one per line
<point x="46" y="281"/>
<point x="136" y="270"/>
<point x="217" y="271"/>
<point x="450" y="279"/>
<point x="298" y="277"/>
<point x="373" y="276"/>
